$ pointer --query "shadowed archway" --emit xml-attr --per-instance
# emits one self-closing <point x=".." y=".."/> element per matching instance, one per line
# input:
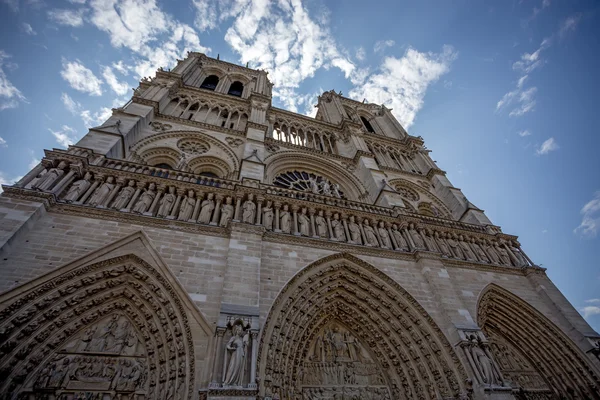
<point x="342" y="326"/>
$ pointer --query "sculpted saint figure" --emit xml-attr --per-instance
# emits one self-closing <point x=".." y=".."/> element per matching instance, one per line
<point x="400" y="240"/>
<point x="285" y="224"/>
<point x="46" y="181"/>
<point x="491" y="251"/>
<point x="325" y="187"/>
<point x="206" y="210"/>
<point x="78" y="188"/>
<point x="304" y="223"/>
<point x="226" y="212"/>
<point x="416" y="237"/>
<point x="454" y="247"/>
<point x="520" y="258"/>
<point x="442" y="245"/>
<point x="187" y="206"/>
<point x="166" y="203"/>
<point x="314" y="186"/>
<point x="124" y="196"/>
<point x="101" y="194"/>
<point x="370" y="238"/>
<point x="268" y="216"/>
<point x="335" y="189"/>
<point x="483" y="362"/>
<point x="145" y="200"/>
<point x="321" y="224"/>
<point x="236" y="350"/>
<point x="504" y="257"/>
<point x="249" y="210"/>
<point x="429" y="240"/>
<point x="354" y="231"/>
<point x="479" y="251"/>
<point x="466" y="249"/>
<point x="338" y="228"/>
<point x="384" y="236"/>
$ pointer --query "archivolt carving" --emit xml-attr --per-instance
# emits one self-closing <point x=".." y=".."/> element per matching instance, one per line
<point x="562" y="366"/>
<point x="289" y="160"/>
<point x="158" y="155"/>
<point x="392" y="337"/>
<point x="414" y="193"/>
<point x="213" y="165"/>
<point x="114" y="326"/>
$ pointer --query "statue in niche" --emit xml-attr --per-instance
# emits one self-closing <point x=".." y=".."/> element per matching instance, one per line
<point x="442" y="245"/>
<point x="206" y="209"/>
<point x="187" y="206"/>
<point x="249" y="210"/>
<point x="268" y="216"/>
<point x="416" y="237"/>
<point x="491" y="251"/>
<point x="455" y="247"/>
<point x="520" y="258"/>
<point x="479" y="251"/>
<point x="226" y="212"/>
<point x="236" y="353"/>
<point x="314" y="186"/>
<point x="166" y="203"/>
<point x="102" y="193"/>
<point x="338" y="228"/>
<point x="354" y="231"/>
<point x="429" y="240"/>
<point x="124" y="196"/>
<point x="384" y="236"/>
<point x="400" y="240"/>
<point x="370" y="237"/>
<point x="482" y="361"/>
<point x="504" y="257"/>
<point x="335" y="190"/>
<point x="46" y="181"/>
<point x="325" y="187"/>
<point x="303" y="223"/>
<point x="466" y="249"/>
<point x="286" y="223"/>
<point x="145" y="200"/>
<point x="78" y="188"/>
<point x="321" y="225"/>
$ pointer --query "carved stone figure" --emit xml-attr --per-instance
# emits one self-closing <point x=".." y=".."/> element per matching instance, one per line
<point x="442" y="245"/>
<point x="304" y="223"/>
<point x="384" y="236"/>
<point x="166" y="203"/>
<point x="491" y="251"/>
<point x="325" y="187"/>
<point x="400" y="240"/>
<point x="145" y="200"/>
<point x="268" y="216"/>
<point x="124" y="196"/>
<point x="206" y="209"/>
<point x="321" y="224"/>
<point x="455" y="247"/>
<point x="314" y="186"/>
<point x="338" y="228"/>
<point x="520" y="258"/>
<point x="466" y="249"/>
<point x="46" y="181"/>
<point x="249" y="210"/>
<point x="416" y="238"/>
<point x="285" y="218"/>
<point x="187" y="206"/>
<point x="78" y="188"/>
<point x="101" y="194"/>
<point x="504" y="257"/>
<point x="354" y="231"/>
<point x="482" y="362"/>
<point x="226" y="212"/>
<point x="370" y="237"/>
<point x="479" y="251"/>
<point x="236" y="349"/>
<point x="335" y="190"/>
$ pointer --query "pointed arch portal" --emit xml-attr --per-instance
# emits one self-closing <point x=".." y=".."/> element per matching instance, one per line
<point x="533" y="353"/>
<point x="342" y="328"/>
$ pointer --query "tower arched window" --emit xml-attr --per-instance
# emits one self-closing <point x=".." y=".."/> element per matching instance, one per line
<point x="236" y="89"/>
<point x="210" y="82"/>
<point x="367" y="125"/>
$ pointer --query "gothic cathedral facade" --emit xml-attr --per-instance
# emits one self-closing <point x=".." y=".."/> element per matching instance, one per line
<point x="203" y="244"/>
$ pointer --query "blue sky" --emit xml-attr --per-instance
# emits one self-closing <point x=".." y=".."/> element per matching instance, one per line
<point x="505" y="93"/>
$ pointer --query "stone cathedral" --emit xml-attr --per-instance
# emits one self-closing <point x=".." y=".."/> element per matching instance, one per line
<point x="203" y="244"/>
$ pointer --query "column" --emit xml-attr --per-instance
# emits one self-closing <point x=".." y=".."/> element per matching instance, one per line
<point x="66" y="180"/>
<point x="362" y="232"/>
<point x="173" y="214"/>
<point x="259" y="201"/>
<point x="346" y="231"/>
<point x="295" y="212"/>
<point x="328" y="218"/>
<point x="408" y="239"/>
<point x="111" y="196"/>
<point x="311" y="212"/>
<point x="159" y="192"/>
<point x="197" y="207"/>
<point x="217" y="211"/>
<point x="388" y="227"/>
<point x="375" y="226"/>
<point x="238" y="203"/>
<point x="215" y="378"/>
<point x="89" y="192"/>
<point x="30" y="175"/>
<point x="254" y="336"/>
<point x="140" y="186"/>
<point x="277" y="207"/>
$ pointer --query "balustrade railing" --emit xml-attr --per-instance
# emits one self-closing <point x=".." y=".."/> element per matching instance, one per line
<point x="137" y="189"/>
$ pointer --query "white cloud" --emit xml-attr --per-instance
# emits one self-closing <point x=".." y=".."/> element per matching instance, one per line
<point x="120" y="88"/>
<point x="524" y="133"/>
<point x="590" y="223"/>
<point x="28" y="29"/>
<point x="361" y="54"/>
<point x="66" y="136"/>
<point x="382" y="44"/>
<point x="526" y="100"/>
<point x="5" y="179"/>
<point x="72" y="106"/>
<point x="10" y="96"/>
<point x="594" y="301"/>
<point x="401" y="83"/>
<point x="89" y="119"/>
<point x="548" y="146"/>
<point x="589" y="311"/>
<point x="3" y="142"/>
<point x="569" y="24"/>
<point x="67" y="17"/>
<point x="34" y="162"/>
<point x="121" y="67"/>
<point x="206" y="14"/>
<point x="80" y="78"/>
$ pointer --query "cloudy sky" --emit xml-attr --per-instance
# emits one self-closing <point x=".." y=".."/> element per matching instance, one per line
<point x="505" y="93"/>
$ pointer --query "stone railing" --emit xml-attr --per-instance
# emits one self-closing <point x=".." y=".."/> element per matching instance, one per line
<point x="127" y="187"/>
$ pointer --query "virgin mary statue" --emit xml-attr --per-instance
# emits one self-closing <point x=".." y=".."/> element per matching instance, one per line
<point x="236" y="352"/>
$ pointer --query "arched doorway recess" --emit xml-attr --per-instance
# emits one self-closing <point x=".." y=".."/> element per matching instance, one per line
<point x="534" y="354"/>
<point x="341" y="327"/>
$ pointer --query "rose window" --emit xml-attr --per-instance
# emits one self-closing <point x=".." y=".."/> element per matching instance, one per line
<point x="407" y="193"/>
<point x="191" y="146"/>
<point x="308" y="182"/>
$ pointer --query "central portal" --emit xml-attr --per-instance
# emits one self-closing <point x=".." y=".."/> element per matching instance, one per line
<point x="338" y="366"/>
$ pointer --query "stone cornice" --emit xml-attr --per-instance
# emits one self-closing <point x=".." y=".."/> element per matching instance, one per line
<point x="305" y="149"/>
<point x="199" y="124"/>
<point x="304" y="118"/>
<point x="215" y="96"/>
